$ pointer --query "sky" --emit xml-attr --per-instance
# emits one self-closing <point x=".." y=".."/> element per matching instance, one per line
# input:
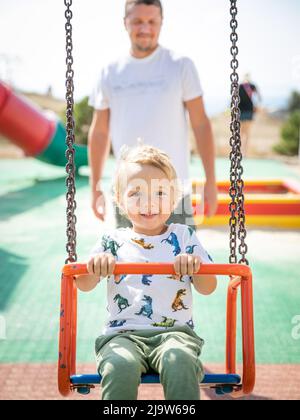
<point x="32" y="43"/>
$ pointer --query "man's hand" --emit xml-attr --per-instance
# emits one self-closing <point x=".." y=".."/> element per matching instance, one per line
<point x="98" y="152"/>
<point x="98" y="205"/>
<point x="206" y="148"/>
<point x="211" y="198"/>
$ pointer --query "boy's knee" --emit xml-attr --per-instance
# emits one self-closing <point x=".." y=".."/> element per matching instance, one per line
<point x="120" y="379"/>
<point x="178" y="361"/>
<point x="119" y="366"/>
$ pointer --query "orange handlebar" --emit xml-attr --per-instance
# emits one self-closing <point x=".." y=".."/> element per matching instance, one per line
<point x="162" y="268"/>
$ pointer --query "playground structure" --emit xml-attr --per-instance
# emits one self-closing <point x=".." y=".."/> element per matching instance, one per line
<point x="30" y="308"/>
<point x="268" y="203"/>
<point x="229" y="383"/>
<point x="37" y="134"/>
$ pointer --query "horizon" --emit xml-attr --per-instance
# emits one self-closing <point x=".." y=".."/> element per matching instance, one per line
<point x="213" y="106"/>
<point x="34" y="59"/>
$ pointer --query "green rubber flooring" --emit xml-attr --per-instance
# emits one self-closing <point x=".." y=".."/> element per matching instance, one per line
<point x="32" y="251"/>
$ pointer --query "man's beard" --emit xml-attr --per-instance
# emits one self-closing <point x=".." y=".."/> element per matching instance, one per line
<point x="144" y="48"/>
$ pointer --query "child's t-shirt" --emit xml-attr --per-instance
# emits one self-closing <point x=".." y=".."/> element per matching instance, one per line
<point x="152" y="302"/>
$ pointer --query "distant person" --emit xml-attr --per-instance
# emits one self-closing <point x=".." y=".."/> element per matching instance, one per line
<point x="49" y="92"/>
<point x="247" y="91"/>
<point x="146" y="95"/>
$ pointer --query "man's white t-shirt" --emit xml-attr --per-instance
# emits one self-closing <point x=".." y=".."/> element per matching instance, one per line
<point x="152" y="302"/>
<point x="146" y="100"/>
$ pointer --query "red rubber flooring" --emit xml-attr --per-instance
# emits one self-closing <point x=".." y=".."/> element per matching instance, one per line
<point x="38" y="382"/>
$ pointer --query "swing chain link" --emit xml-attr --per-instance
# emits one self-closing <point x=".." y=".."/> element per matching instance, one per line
<point x="237" y="205"/>
<point x="70" y="141"/>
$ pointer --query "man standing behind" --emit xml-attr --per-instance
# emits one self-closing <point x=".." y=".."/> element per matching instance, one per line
<point x="146" y="95"/>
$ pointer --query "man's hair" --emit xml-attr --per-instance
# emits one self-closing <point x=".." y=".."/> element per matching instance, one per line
<point x="131" y="3"/>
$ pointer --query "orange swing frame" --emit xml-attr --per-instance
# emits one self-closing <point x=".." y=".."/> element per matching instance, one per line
<point x="240" y="277"/>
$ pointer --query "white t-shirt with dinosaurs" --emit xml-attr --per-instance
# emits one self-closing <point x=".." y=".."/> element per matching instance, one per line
<point x="149" y="301"/>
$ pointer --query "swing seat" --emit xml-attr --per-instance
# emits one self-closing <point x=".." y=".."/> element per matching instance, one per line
<point x="240" y="278"/>
<point x="223" y="384"/>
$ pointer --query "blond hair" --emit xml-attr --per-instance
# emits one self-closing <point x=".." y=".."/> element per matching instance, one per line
<point x="144" y="155"/>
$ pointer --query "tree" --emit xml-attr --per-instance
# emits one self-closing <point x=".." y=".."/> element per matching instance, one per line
<point x="290" y="134"/>
<point x="294" y="102"/>
<point x="83" y="115"/>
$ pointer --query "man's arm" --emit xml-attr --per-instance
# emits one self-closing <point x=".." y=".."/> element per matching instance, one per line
<point x="206" y="148"/>
<point x="258" y="94"/>
<point x="98" y="151"/>
<point x="98" y="145"/>
<point x="204" y="138"/>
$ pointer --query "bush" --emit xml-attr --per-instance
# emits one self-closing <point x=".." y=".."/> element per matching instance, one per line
<point x="294" y="102"/>
<point x="290" y="133"/>
<point x="83" y="115"/>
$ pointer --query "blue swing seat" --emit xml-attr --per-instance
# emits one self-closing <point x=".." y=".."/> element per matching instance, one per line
<point x="223" y="383"/>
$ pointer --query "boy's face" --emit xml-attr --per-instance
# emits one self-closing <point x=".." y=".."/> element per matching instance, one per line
<point x="148" y="198"/>
<point x="143" y="24"/>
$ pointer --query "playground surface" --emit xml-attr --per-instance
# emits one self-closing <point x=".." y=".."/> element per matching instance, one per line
<point x="32" y="252"/>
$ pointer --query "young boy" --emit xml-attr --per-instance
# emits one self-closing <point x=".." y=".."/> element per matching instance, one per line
<point x="150" y="324"/>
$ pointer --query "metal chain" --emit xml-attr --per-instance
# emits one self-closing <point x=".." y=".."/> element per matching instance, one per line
<point x="237" y="220"/>
<point x="70" y="141"/>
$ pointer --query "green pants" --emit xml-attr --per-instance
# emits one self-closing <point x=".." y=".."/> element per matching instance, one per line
<point x="174" y="354"/>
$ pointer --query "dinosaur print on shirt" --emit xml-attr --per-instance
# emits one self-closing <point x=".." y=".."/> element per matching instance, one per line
<point x="173" y="241"/>
<point x="110" y="245"/>
<point x="149" y="301"/>
<point x="146" y="309"/>
<point x="178" y="304"/>
<point x="142" y="243"/>
<point x="121" y="302"/>
<point x="166" y="323"/>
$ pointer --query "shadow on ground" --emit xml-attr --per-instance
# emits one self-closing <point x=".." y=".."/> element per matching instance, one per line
<point x="211" y="394"/>
<point x="17" y="202"/>
<point x="12" y="269"/>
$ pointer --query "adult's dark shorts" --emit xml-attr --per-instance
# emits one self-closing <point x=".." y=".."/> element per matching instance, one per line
<point x="247" y="115"/>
